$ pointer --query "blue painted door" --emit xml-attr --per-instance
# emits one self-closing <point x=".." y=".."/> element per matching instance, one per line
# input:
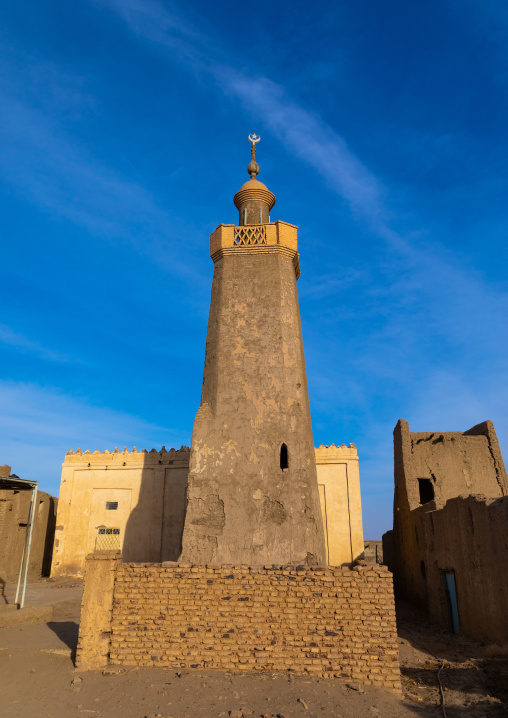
<point x="449" y="577"/>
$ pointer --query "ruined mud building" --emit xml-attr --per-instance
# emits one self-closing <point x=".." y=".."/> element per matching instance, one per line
<point x="14" y="514"/>
<point x="449" y="546"/>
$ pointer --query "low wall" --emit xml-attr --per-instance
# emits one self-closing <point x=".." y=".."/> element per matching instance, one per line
<point x="329" y="622"/>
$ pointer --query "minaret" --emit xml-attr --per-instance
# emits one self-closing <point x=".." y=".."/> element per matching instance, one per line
<point x="252" y="495"/>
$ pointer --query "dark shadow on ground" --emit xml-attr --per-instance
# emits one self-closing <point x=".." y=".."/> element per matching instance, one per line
<point x="482" y="709"/>
<point x="497" y="678"/>
<point x="470" y="668"/>
<point x="453" y="677"/>
<point x="415" y="626"/>
<point x="67" y="632"/>
<point x="2" y="589"/>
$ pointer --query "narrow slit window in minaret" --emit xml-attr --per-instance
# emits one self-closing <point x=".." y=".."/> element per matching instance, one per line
<point x="283" y="456"/>
<point x="260" y="216"/>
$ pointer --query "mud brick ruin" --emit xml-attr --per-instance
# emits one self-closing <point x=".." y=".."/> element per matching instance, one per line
<point x="14" y="514"/>
<point x="448" y="549"/>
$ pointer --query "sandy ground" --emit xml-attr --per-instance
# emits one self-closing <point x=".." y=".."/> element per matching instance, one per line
<point x="39" y="680"/>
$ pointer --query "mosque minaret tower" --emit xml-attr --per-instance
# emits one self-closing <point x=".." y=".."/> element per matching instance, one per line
<point x="252" y="494"/>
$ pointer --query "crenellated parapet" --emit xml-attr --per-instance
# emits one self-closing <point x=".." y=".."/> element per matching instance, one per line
<point x="333" y="454"/>
<point x="272" y="237"/>
<point x="136" y="496"/>
<point x="125" y="457"/>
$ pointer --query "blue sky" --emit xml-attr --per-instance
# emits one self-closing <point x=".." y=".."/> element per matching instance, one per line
<point x="123" y="138"/>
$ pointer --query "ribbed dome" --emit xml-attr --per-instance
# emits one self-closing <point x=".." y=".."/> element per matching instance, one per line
<point x="254" y="190"/>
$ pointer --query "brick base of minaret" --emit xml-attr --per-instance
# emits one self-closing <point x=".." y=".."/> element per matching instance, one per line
<point x="325" y="622"/>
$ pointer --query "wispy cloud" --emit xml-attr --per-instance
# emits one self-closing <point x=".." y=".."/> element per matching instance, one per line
<point x="327" y="285"/>
<point x="58" y="173"/>
<point x="427" y="287"/>
<point x="60" y="177"/>
<point x="150" y="19"/>
<point x="308" y="137"/>
<point x="427" y="266"/>
<point x="302" y="132"/>
<point x="14" y="339"/>
<point x="39" y="424"/>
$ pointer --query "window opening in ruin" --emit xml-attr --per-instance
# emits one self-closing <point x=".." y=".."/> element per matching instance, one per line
<point x="111" y="505"/>
<point x="426" y="490"/>
<point x="451" y="594"/>
<point x="283" y="457"/>
<point x="423" y="570"/>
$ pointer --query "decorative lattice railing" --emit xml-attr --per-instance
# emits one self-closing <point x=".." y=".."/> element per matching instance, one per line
<point x="250" y="235"/>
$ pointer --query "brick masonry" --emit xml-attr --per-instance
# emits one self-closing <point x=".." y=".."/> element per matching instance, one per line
<point x="327" y="622"/>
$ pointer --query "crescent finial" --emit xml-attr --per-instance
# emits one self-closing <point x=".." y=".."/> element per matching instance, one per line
<point x="253" y="168"/>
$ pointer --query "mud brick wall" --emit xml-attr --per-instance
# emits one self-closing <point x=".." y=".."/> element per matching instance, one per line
<point x="329" y="622"/>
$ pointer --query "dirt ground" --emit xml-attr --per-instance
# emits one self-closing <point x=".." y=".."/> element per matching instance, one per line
<point x="39" y="680"/>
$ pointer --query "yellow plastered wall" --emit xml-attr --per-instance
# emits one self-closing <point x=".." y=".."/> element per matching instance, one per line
<point x="150" y="488"/>
<point x="339" y="492"/>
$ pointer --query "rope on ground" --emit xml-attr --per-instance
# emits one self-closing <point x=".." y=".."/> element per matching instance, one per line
<point x="418" y="643"/>
<point x="440" y="684"/>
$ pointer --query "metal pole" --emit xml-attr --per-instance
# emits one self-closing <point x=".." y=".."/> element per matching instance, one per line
<point x="31" y="521"/>
<point x="23" y="554"/>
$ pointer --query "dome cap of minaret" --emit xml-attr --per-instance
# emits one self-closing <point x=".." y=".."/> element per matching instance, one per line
<point x="254" y="200"/>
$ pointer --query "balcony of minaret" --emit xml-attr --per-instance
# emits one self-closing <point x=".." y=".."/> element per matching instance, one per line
<point x="277" y="237"/>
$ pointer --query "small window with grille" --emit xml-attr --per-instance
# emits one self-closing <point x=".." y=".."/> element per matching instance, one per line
<point x="111" y="505"/>
<point x="108" y="539"/>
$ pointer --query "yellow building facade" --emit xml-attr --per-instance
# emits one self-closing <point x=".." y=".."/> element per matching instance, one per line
<point x="135" y="501"/>
<point x="338" y="476"/>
